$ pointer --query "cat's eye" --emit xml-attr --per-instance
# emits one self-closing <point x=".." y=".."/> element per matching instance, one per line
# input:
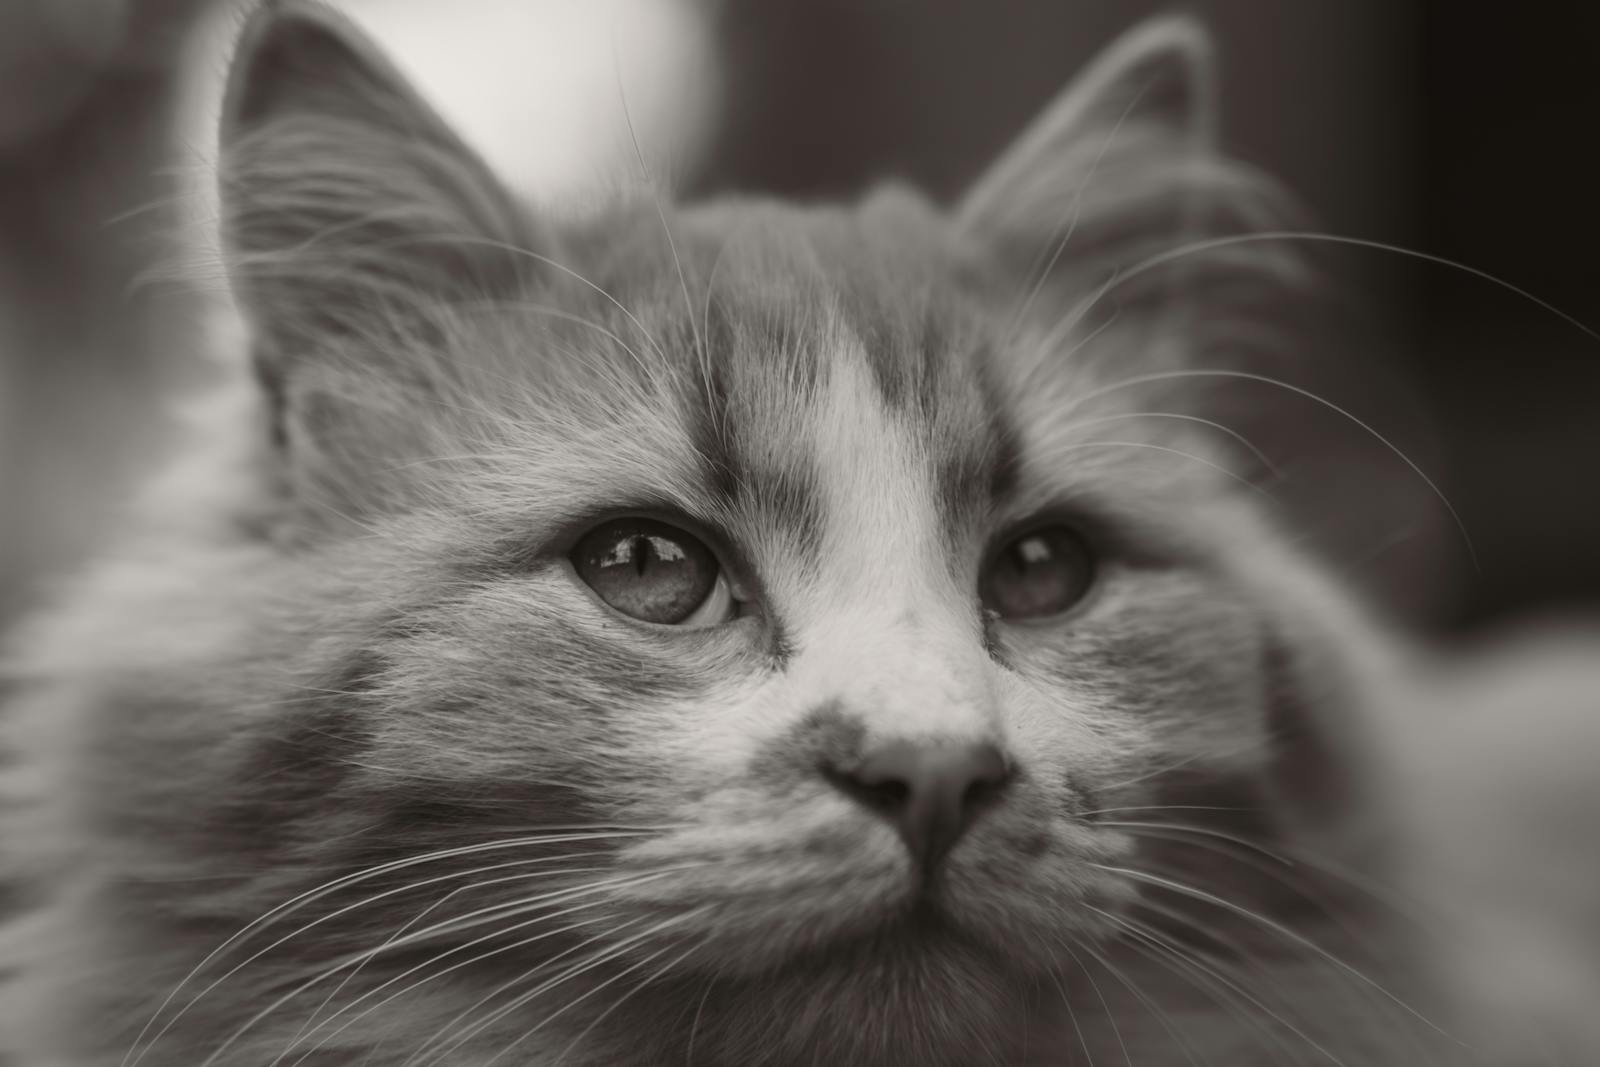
<point x="1036" y="574"/>
<point x="654" y="572"/>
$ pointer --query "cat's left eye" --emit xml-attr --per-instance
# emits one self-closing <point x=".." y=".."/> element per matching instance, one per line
<point x="1040" y="573"/>
<point x="655" y="573"/>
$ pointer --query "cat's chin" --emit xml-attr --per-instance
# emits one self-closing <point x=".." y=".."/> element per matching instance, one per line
<point x="917" y="991"/>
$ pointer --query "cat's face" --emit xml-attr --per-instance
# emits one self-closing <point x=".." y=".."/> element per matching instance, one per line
<point x="811" y="597"/>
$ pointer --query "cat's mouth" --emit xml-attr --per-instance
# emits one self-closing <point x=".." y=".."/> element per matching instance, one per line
<point x="895" y="920"/>
<point x="1006" y="898"/>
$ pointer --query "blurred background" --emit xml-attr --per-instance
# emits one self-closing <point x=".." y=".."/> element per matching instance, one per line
<point x="1457" y="130"/>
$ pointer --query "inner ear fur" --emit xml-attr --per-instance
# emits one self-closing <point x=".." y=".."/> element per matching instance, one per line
<point x="347" y="202"/>
<point x="360" y="233"/>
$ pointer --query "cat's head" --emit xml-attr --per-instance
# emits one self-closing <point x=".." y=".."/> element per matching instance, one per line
<point x="819" y="595"/>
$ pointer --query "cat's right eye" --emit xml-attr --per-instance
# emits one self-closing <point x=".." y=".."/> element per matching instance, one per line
<point x="655" y="573"/>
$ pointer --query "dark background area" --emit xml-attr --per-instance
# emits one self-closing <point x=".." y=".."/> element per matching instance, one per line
<point x="1508" y="180"/>
<point x="1463" y="131"/>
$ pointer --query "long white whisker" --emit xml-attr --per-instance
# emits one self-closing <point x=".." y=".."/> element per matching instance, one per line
<point x="452" y="925"/>
<point x="136" y="1054"/>
<point x="1159" y="376"/>
<point x="1162" y="807"/>
<point x="694" y="1027"/>
<point x="1211" y="244"/>
<point x="564" y="269"/>
<point x="1060" y="245"/>
<point x="1228" y="431"/>
<point x="399" y="939"/>
<point x="650" y="373"/>
<point x="661" y="214"/>
<point x="610" y="953"/>
<point x="1057" y="451"/>
<point x="1072" y="1017"/>
<point x="459" y="965"/>
<point x="1149" y="1004"/>
<point x="1172" y="957"/>
<point x="1105" y="1005"/>
<point x="443" y="1034"/>
<point x="598" y="1019"/>
<point x="1370" y="998"/>
<point x="1180" y="831"/>
<point x="1277" y="927"/>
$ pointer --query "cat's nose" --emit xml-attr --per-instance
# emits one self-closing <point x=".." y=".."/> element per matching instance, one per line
<point x="930" y="791"/>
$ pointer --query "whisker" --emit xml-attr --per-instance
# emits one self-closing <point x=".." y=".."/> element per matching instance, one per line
<point x="1229" y="240"/>
<point x="1391" y="900"/>
<point x="581" y="279"/>
<point x="694" y="1027"/>
<point x="1165" y="807"/>
<point x="604" y="956"/>
<point x="1168" y="953"/>
<point x="1072" y="1016"/>
<point x="450" y="926"/>
<point x="517" y="907"/>
<point x="1252" y="746"/>
<point x="1359" y="939"/>
<point x="1041" y="267"/>
<point x="1105" y="1006"/>
<point x="1057" y="451"/>
<point x="1182" y="889"/>
<point x="1150" y="1005"/>
<point x="443" y="1034"/>
<point x="1177" y="832"/>
<point x="613" y="928"/>
<point x="575" y="1002"/>
<point x="1249" y="446"/>
<point x="649" y="371"/>
<point x="135" y="1054"/>
<point x="1239" y="375"/>
<point x="656" y="977"/>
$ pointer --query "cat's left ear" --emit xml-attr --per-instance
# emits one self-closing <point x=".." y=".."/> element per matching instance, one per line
<point x="1121" y="165"/>
<point x="1154" y="86"/>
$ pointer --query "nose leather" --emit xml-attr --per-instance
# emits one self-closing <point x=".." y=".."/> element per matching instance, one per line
<point x="930" y="791"/>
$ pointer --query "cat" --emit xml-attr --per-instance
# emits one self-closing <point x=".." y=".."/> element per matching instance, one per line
<point x="727" y="633"/>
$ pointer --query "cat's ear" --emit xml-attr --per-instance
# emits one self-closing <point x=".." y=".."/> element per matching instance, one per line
<point x="345" y="198"/>
<point x="358" y="231"/>
<point x="1155" y="84"/>
<point x="1120" y="166"/>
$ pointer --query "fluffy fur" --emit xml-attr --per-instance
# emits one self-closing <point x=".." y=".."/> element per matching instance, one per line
<point x="336" y="761"/>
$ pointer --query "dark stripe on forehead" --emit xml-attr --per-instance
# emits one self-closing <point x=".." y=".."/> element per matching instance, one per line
<point x="1005" y="439"/>
<point x="934" y="371"/>
<point x="746" y="396"/>
<point x="926" y="350"/>
<point x="708" y="429"/>
<point x="983" y="471"/>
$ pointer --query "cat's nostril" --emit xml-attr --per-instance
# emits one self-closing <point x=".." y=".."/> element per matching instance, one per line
<point x="889" y="796"/>
<point x="930" y="791"/>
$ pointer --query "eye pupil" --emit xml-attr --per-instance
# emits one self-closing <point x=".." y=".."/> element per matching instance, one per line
<point x="1041" y="573"/>
<point x="646" y="569"/>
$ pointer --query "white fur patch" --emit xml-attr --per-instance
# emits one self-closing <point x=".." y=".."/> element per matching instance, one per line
<point x="885" y="630"/>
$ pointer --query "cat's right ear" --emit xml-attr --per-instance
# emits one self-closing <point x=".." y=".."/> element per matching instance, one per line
<point x="359" y="232"/>
<point x="347" y="203"/>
